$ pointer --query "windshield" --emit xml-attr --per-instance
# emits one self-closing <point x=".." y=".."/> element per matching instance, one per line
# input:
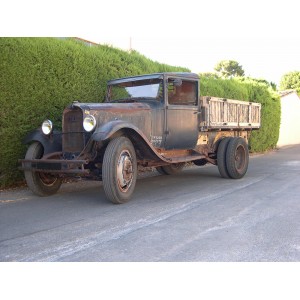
<point x="135" y="90"/>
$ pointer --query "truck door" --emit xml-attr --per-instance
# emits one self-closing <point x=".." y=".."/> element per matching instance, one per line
<point x="181" y="126"/>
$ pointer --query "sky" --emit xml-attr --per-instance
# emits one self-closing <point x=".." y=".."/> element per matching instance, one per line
<point x="262" y="36"/>
<point x="267" y="58"/>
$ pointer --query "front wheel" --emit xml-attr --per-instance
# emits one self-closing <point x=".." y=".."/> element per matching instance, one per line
<point x="119" y="170"/>
<point x="41" y="184"/>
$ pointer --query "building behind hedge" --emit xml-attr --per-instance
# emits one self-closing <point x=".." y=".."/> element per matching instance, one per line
<point x="289" y="133"/>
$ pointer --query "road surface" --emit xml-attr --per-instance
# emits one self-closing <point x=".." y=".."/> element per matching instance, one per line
<point x="193" y="216"/>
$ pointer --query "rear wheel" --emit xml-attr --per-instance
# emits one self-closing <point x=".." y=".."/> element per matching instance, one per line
<point x="221" y="157"/>
<point x="170" y="169"/>
<point x="200" y="162"/>
<point x="41" y="184"/>
<point x="119" y="171"/>
<point x="237" y="158"/>
<point x="161" y="171"/>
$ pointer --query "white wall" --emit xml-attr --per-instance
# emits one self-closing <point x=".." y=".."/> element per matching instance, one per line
<point x="289" y="133"/>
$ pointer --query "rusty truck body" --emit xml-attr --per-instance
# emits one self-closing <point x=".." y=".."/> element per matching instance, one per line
<point x="156" y="120"/>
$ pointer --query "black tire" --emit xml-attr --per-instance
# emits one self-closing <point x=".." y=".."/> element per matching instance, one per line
<point x="41" y="184"/>
<point x="119" y="170"/>
<point x="221" y="156"/>
<point x="200" y="162"/>
<point x="237" y="158"/>
<point x="170" y="169"/>
<point x="161" y="171"/>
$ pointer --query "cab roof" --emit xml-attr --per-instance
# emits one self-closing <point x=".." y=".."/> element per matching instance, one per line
<point x="181" y="75"/>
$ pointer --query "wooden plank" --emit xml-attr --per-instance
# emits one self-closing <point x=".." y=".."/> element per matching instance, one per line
<point x="229" y="113"/>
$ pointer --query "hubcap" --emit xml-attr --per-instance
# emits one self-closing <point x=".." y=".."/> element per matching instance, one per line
<point x="240" y="158"/>
<point x="124" y="171"/>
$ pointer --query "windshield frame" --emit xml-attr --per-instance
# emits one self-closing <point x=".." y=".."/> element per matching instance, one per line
<point x="131" y="85"/>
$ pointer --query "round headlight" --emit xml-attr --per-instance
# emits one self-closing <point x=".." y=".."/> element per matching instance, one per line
<point x="47" y="127"/>
<point x="89" y="123"/>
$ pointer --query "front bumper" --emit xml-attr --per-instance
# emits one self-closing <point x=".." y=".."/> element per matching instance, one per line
<point x="60" y="166"/>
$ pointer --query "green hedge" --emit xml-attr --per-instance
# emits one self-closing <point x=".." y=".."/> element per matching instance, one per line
<point x="40" y="76"/>
<point x="250" y="89"/>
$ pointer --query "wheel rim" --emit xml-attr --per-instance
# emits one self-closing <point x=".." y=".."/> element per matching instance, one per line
<point x="240" y="158"/>
<point x="47" y="179"/>
<point x="124" y="171"/>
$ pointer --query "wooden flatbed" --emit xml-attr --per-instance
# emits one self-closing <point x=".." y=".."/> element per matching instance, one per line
<point x="224" y="114"/>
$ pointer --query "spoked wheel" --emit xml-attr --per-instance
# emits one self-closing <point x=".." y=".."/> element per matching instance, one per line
<point x="41" y="184"/>
<point x="119" y="171"/>
<point x="170" y="169"/>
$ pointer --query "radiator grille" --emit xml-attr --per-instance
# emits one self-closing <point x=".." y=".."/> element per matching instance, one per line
<point x="73" y="134"/>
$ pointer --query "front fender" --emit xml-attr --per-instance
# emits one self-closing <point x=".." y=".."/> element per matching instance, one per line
<point x="140" y="141"/>
<point x="107" y="130"/>
<point x="51" y="143"/>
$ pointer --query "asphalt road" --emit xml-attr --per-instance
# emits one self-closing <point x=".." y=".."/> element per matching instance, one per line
<point x="193" y="216"/>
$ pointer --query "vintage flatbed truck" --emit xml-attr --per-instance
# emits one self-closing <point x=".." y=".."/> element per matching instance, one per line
<point x="157" y="120"/>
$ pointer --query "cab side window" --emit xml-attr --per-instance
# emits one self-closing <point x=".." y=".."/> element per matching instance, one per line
<point x="182" y="92"/>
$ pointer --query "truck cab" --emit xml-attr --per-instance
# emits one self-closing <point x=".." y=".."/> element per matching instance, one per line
<point x="173" y="99"/>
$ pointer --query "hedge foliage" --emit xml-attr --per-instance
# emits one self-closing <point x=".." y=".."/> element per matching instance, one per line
<point x="39" y="77"/>
<point x="291" y="80"/>
<point x="254" y="90"/>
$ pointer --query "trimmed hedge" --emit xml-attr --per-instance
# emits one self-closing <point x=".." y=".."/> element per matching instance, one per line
<point x="253" y="90"/>
<point x="40" y="76"/>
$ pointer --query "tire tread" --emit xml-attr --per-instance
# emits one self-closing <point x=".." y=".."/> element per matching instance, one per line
<point x="221" y="156"/>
